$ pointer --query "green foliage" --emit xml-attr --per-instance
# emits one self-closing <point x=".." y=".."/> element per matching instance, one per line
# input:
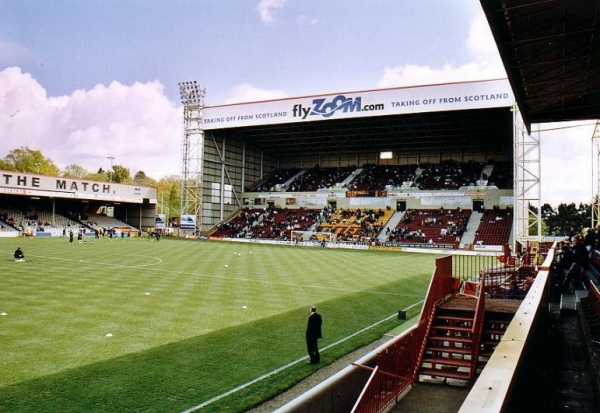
<point x="169" y="195"/>
<point x="74" y="171"/>
<point x="33" y="161"/>
<point x="119" y="174"/>
<point x="185" y="328"/>
<point x="140" y="178"/>
<point x="24" y="159"/>
<point x="565" y="217"/>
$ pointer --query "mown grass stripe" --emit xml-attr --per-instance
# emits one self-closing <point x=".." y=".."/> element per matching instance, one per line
<point x="190" y="338"/>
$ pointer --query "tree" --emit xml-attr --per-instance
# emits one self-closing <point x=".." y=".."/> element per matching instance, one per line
<point x="568" y="216"/>
<point x="175" y="198"/>
<point x="101" y="176"/>
<point x="74" y="171"/>
<point x="140" y="178"/>
<point x="119" y="174"/>
<point x="169" y="195"/>
<point x="28" y="160"/>
<point x="549" y="218"/>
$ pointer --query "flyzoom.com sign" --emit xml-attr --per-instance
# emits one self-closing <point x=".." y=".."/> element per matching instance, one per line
<point x="316" y="109"/>
<point x="340" y="103"/>
<point x="397" y="101"/>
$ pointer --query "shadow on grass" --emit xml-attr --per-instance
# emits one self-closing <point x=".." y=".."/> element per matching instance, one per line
<point x="177" y="376"/>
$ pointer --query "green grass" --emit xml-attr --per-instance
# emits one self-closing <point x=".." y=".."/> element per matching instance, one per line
<point x="190" y="320"/>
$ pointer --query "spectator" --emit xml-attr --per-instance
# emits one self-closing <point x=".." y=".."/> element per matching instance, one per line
<point x="526" y="284"/>
<point x="581" y="260"/>
<point x="511" y="290"/>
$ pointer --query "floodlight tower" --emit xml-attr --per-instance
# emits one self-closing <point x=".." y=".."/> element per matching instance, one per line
<point x="192" y="98"/>
<point x="527" y="201"/>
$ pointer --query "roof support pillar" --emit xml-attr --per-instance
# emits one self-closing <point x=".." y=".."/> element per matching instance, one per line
<point x="527" y="171"/>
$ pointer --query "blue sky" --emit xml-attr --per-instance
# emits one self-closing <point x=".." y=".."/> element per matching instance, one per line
<point x="84" y="80"/>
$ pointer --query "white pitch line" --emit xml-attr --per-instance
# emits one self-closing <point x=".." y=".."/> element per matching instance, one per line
<point x="280" y="369"/>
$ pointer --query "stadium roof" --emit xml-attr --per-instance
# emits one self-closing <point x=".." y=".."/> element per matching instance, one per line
<point x="432" y="119"/>
<point x="482" y="129"/>
<point x="551" y="52"/>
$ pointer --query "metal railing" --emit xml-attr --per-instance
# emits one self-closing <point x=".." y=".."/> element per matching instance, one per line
<point x="477" y="327"/>
<point x="395" y="369"/>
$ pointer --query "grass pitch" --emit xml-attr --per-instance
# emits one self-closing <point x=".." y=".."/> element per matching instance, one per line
<point x="143" y="326"/>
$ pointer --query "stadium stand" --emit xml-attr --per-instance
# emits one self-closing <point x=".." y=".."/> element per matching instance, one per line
<point x="278" y="223"/>
<point x="269" y="223"/>
<point x="275" y="181"/>
<point x="357" y="225"/>
<point x="43" y="223"/>
<point x="378" y="177"/>
<point x="320" y="178"/>
<point x="432" y="226"/>
<point x="445" y="175"/>
<point x="501" y="175"/>
<point x="104" y="223"/>
<point x="444" y="226"/>
<point x="239" y="225"/>
<point x="35" y="221"/>
<point x="495" y="227"/>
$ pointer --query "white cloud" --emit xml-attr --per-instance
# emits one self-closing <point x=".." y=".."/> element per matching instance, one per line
<point x="267" y="10"/>
<point x="245" y="92"/>
<point x="11" y="51"/>
<point x="566" y="161"/>
<point x="307" y="21"/>
<point x="486" y="63"/>
<point x="565" y="164"/>
<point x="481" y="42"/>
<point x="136" y="124"/>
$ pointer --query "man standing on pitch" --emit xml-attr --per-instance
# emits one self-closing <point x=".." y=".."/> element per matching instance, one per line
<point x="313" y="334"/>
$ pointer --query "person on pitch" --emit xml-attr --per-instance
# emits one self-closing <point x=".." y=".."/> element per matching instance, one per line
<point x="19" y="254"/>
<point x="313" y="334"/>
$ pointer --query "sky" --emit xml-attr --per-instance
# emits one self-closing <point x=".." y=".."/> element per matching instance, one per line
<point x="87" y="80"/>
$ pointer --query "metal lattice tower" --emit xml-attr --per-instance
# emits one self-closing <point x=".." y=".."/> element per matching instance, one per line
<point x="192" y="98"/>
<point x="528" y="208"/>
<point x="596" y="175"/>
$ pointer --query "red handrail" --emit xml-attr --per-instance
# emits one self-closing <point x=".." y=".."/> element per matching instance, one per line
<point x="397" y="364"/>
<point x="477" y="329"/>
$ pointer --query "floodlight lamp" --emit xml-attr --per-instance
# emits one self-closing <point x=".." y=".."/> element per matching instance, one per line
<point x="386" y="155"/>
<point x="190" y="93"/>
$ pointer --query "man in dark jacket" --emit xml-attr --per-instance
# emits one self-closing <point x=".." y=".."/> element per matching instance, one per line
<point x="313" y="334"/>
<point x="581" y="261"/>
<point x="19" y="255"/>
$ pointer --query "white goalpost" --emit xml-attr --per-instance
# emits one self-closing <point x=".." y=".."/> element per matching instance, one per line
<point x="312" y="238"/>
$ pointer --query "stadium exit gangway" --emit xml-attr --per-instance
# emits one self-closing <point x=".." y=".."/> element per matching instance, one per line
<point x="455" y="336"/>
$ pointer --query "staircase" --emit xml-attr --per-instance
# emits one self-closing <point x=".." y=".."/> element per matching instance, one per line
<point x="468" y="236"/>
<point x="450" y="344"/>
<point x="391" y="224"/>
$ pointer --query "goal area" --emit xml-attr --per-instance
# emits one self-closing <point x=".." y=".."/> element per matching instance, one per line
<point x="312" y="237"/>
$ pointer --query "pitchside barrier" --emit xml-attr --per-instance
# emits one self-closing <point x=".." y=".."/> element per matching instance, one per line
<point x="491" y="392"/>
